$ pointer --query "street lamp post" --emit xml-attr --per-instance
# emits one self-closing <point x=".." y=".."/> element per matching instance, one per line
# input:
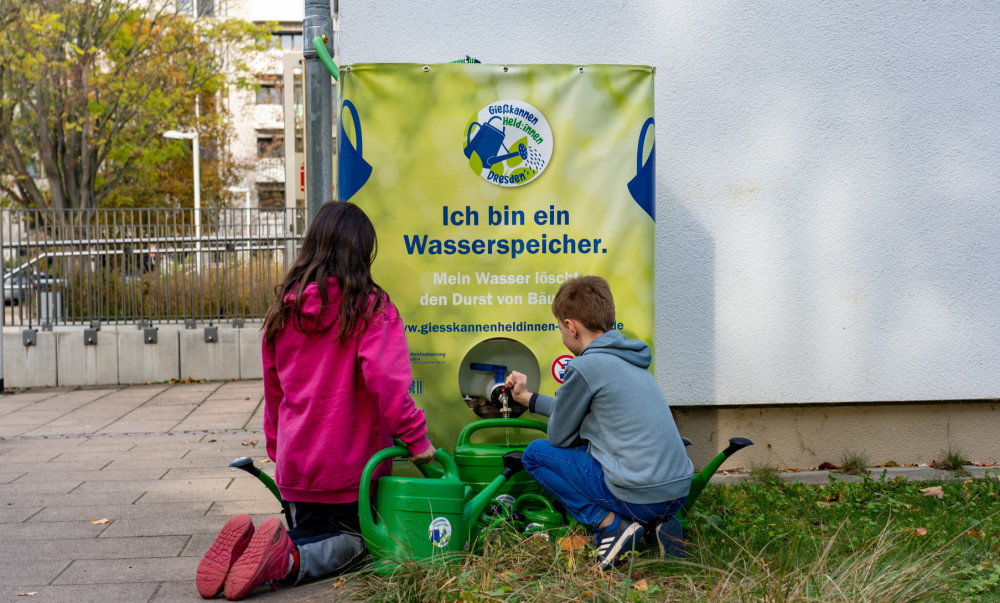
<point x="193" y="137"/>
<point x="246" y="210"/>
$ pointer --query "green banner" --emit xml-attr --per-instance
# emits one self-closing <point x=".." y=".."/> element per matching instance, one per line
<point x="489" y="185"/>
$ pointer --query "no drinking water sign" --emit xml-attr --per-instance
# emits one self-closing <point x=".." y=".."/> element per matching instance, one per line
<point x="489" y="186"/>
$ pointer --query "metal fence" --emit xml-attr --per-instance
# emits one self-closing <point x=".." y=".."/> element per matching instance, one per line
<point x="133" y="265"/>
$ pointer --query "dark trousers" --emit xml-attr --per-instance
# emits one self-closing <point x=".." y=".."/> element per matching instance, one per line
<point x="327" y="536"/>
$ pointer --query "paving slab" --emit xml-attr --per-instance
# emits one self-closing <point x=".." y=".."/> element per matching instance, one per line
<point x="170" y="526"/>
<point x="118" y="511"/>
<point x="106" y="548"/>
<point x="126" y="570"/>
<point x="40" y="477"/>
<point x="91" y="593"/>
<point x="24" y="572"/>
<point x="48" y="530"/>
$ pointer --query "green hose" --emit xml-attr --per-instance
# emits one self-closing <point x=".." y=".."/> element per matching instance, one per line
<point x="325" y="58"/>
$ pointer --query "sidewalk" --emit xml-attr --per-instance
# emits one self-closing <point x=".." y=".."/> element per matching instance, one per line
<point x="114" y="493"/>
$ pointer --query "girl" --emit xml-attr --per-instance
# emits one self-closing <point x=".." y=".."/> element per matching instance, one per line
<point x="336" y="382"/>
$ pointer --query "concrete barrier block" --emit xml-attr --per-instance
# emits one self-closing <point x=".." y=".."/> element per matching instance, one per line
<point x="141" y="362"/>
<point x="79" y="364"/>
<point x="31" y="366"/>
<point x="214" y="361"/>
<point x="250" y="362"/>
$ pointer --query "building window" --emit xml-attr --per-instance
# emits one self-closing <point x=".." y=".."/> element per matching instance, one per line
<point x="206" y="8"/>
<point x="271" y="199"/>
<point x="270" y="143"/>
<point x="269" y="94"/>
<point x="287" y="40"/>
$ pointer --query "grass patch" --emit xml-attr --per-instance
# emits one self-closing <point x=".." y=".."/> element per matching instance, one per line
<point x="951" y="459"/>
<point x="768" y="541"/>
<point x="764" y="474"/>
<point x="854" y="462"/>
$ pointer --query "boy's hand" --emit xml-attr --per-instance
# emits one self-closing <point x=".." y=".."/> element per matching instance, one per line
<point x="424" y="457"/>
<point x="517" y="383"/>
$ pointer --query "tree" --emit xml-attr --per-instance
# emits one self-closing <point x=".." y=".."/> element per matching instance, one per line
<point x="88" y="86"/>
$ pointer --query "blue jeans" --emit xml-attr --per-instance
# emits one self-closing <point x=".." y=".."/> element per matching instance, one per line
<point x="576" y="480"/>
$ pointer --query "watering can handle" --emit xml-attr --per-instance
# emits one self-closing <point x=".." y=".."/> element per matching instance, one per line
<point x="468" y="135"/>
<point x="364" y="489"/>
<point x="357" y="122"/>
<point x="638" y="153"/>
<point x="466" y="434"/>
<point x="533" y="498"/>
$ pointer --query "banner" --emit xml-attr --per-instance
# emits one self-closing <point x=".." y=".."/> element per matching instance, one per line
<point x="489" y="185"/>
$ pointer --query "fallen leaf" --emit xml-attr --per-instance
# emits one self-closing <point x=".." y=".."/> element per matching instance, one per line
<point x="249" y="443"/>
<point x="98" y="522"/>
<point x="247" y="398"/>
<point x="262" y="461"/>
<point x="917" y="531"/>
<point x="937" y="491"/>
<point x="641" y="585"/>
<point x="824" y="466"/>
<point x="572" y="543"/>
<point x="790" y="470"/>
<point x="910" y="464"/>
<point x="31" y="594"/>
<point x="340" y="581"/>
<point x="975" y="533"/>
<point x="891" y="464"/>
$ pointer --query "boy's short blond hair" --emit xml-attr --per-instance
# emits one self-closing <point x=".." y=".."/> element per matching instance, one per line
<point x="587" y="299"/>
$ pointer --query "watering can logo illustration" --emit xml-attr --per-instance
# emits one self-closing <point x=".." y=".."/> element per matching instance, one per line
<point x="642" y="187"/>
<point x="439" y="532"/>
<point x="352" y="170"/>
<point x="508" y="143"/>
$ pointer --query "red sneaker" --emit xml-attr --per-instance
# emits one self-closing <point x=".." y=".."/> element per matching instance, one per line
<point x="232" y="540"/>
<point x="267" y="558"/>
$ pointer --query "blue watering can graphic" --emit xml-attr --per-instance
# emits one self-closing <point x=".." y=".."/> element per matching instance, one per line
<point x="352" y="170"/>
<point x="641" y="187"/>
<point x="487" y="142"/>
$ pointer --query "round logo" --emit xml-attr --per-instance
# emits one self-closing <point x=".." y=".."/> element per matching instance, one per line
<point x="508" y="143"/>
<point x="559" y="365"/>
<point x="440" y="532"/>
<point x="506" y="500"/>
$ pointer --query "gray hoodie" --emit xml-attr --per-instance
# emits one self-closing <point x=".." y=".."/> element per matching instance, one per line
<point x="611" y="402"/>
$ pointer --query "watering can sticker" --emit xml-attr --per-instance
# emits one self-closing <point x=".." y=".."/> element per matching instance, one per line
<point x="440" y="532"/>
<point x="352" y="170"/>
<point x="642" y="186"/>
<point x="508" y="143"/>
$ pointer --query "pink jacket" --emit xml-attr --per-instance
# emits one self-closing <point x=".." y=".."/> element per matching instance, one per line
<point x="329" y="405"/>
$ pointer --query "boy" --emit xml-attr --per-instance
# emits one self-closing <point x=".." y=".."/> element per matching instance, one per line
<point x="613" y="458"/>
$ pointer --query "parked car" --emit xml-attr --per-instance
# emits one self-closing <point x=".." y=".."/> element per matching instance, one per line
<point x="45" y="282"/>
<point x="15" y="288"/>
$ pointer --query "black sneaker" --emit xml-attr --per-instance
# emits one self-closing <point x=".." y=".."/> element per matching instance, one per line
<point x="616" y="541"/>
<point x="670" y="537"/>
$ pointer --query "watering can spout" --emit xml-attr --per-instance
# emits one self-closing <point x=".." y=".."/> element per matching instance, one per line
<point x="701" y="478"/>
<point x="511" y="465"/>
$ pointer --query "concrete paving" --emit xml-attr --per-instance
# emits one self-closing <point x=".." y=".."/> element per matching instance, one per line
<point x="114" y="493"/>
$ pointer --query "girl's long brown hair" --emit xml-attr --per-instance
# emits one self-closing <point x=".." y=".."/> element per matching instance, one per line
<point x="340" y="242"/>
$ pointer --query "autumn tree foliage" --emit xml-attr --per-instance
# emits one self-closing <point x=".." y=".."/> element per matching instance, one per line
<point x="87" y="87"/>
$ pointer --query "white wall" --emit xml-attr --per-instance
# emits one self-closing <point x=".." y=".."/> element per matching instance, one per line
<point x="828" y="225"/>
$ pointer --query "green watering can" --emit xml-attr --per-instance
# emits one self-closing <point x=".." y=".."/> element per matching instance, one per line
<point x="422" y="518"/>
<point x="479" y="464"/>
